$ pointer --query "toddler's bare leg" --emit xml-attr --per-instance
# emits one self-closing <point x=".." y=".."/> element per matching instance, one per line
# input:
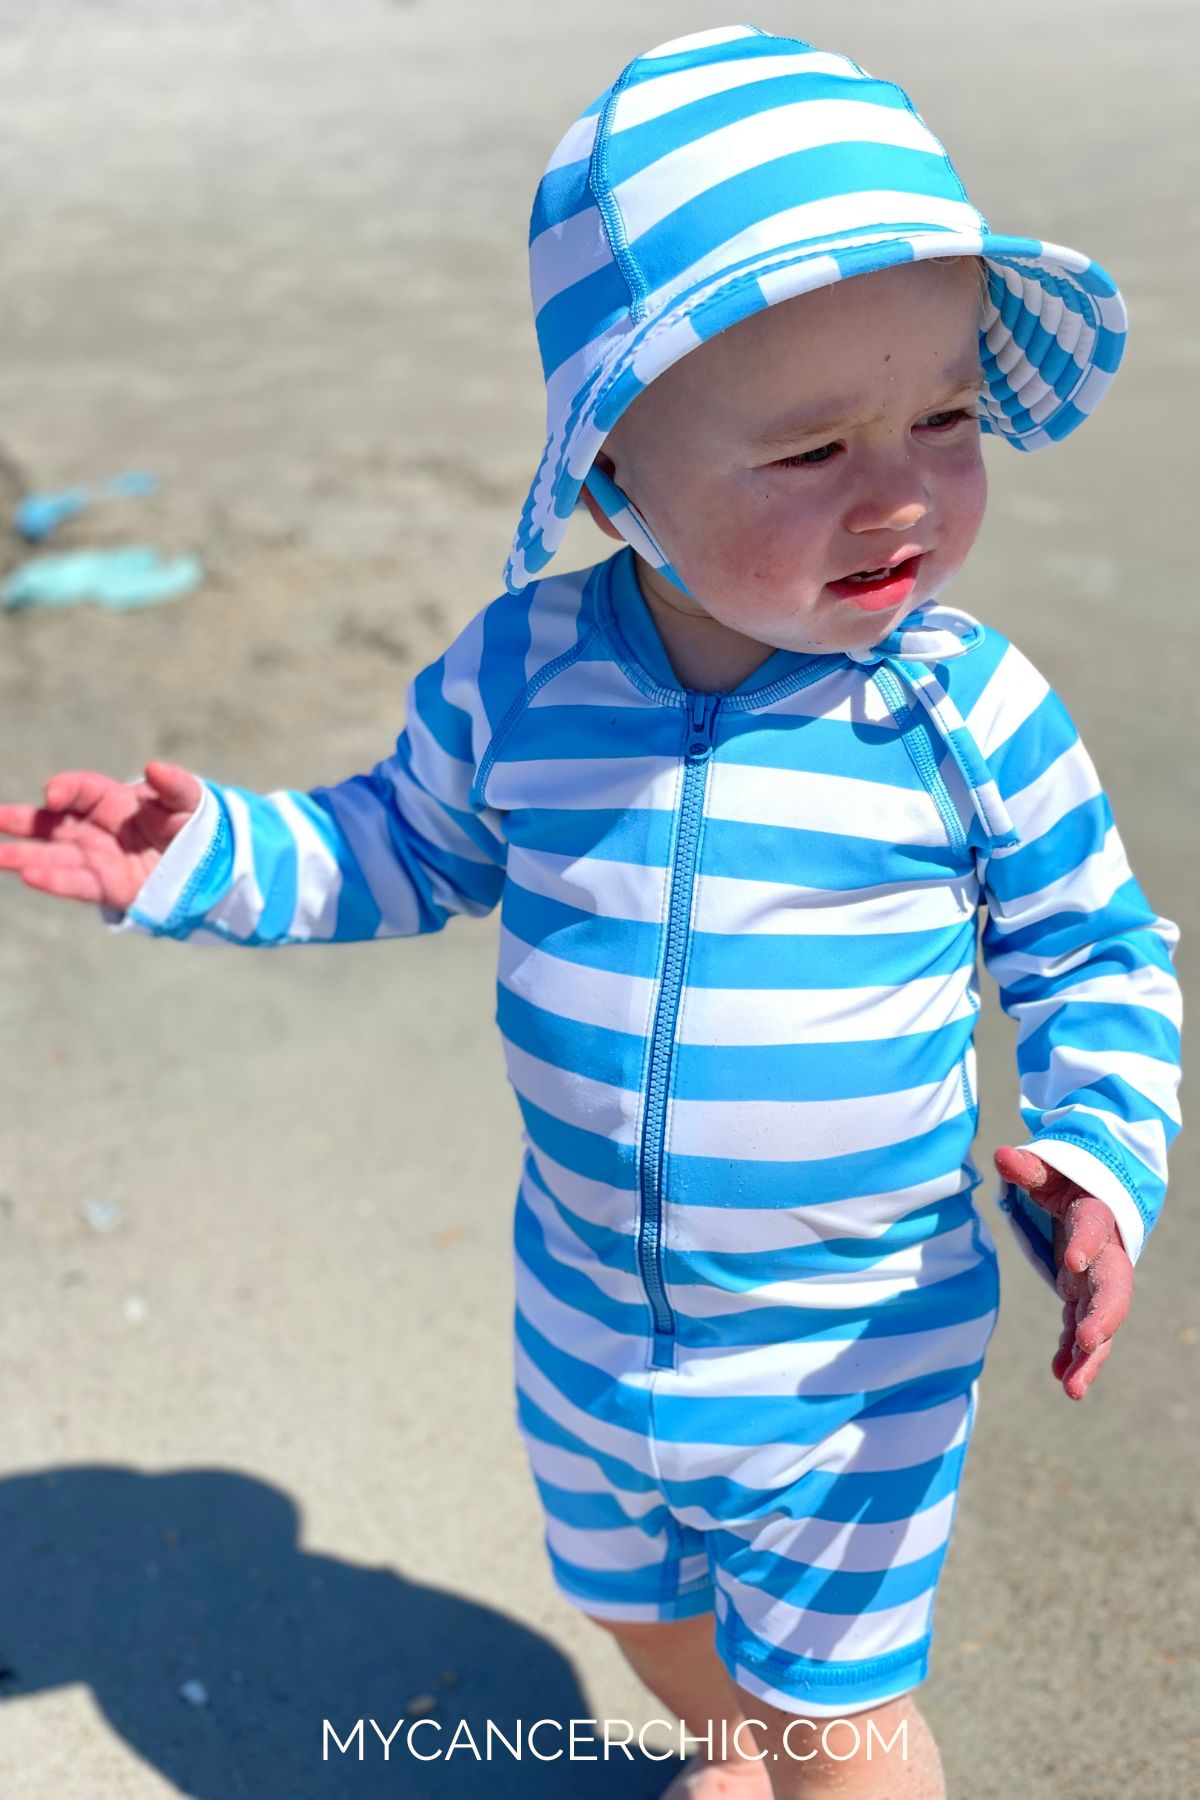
<point x="680" y="1666"/>
<point x="850" y="1760"/>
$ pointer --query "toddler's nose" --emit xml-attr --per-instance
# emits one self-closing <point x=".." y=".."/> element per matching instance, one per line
<point x="886" y="515"/>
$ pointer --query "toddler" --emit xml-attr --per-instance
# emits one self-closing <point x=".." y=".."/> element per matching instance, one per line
<point x="742" y="792"/>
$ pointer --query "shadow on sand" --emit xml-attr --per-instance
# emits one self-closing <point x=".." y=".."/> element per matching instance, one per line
<point x="137" y="1584"/>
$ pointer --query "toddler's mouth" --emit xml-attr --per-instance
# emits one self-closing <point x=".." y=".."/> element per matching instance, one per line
<point x="875" y="590"/>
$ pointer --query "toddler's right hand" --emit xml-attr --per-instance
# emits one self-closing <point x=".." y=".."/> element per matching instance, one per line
<point x="98" y="839"/>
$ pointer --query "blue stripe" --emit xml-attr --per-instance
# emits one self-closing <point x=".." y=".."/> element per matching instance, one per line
<point x="700" y="226"/>
<point x="721" y="1181"/>
<point x="638" y="147"/>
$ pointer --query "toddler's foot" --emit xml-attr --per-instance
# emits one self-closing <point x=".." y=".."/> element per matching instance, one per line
<point x="737" y="1780"/>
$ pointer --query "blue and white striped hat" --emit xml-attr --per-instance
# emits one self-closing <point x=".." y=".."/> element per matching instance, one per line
<point x="731" y="169"/>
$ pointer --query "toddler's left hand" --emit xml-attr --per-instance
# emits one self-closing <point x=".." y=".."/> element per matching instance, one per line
<point x="1095" y="1275"/>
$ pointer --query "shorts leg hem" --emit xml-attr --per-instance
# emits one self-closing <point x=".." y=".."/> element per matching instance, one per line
<point x="796" y="1684"/>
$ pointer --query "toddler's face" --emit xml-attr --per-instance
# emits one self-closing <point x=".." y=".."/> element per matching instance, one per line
<point x="828" y="434"/>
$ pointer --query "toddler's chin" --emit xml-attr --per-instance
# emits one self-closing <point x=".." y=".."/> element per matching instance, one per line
<point x="810" y="638"/>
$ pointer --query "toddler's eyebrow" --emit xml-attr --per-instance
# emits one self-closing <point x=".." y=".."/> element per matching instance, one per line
<point x="827" y="415"/>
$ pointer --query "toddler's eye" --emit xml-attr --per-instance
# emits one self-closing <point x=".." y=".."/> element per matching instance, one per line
<point x="806" y="458"/>
<point x="954" y="416"/>
<point x="940" y="422"/>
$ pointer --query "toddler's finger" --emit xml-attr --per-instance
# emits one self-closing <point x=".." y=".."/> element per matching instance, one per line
<point x="76" y="790"/>
<point x="23" y="821"/>
<point x="67" y="881"/>
<point x="1104" y="1307"/>
<point x="1043" y="1184"/>
<point x="1084" y="1370"/>
<point x="38" y="856"/>
<point x="176" y="788"/>
<point x="1089" y="1230"/>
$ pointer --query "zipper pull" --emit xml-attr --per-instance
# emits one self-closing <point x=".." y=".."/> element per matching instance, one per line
<point x="701" y="715"/>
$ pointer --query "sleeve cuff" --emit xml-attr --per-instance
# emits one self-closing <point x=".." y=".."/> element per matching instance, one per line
<point x="1081" y="1165"/>
<point x="1033" y="1227"/>
<point x="151" y="907"/>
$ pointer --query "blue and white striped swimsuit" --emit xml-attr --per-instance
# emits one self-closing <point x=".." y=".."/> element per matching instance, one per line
<point x="737" y="991"/>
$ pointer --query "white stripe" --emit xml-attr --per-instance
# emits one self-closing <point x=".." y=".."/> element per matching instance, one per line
<point x="565" y="253"/>
<point x="728" y="1230"/>
<point x="1147" y="986"/>
<point x="596" y="1201"/>
<point x="632" y="1447"/>
<point x="803" y="1131"/>
<point x="591" y="996"/>
<point x="318" y="877"/>
<point x="583" y="783"/>
<point x="1064" y="784"/>
<point x="438" y="774"/>
<point x="823" y="1636"/>
<point x="850" y="1545"/>
<point x="646" y="100"/>
<point x="575" y="1099"/>
<point x="428" y="816"/>
<point x="242" y="908"/>
<point x="673" y="180"/>
<point x="841" y="805"/>
<point x="553" y="620"/>
<point x="732" y="904"/>
<point x="1072" y="1069"/>
<point x="611" y="890"/>
<point x="576" y="143"/>
<point x="1014" y="691"/>
<point x="614" y="1549"/>
<point x="726" y="1016"/>
<point x="841" y="697"/>
<point x="460" y="684"/>
<point x="360" y="818"/>
<point x="564" y="1245"/>
<point x="870" y="1446"/>
<point x="590" y="683"/>
<point x="1087" y="888"/>
<point x="577" y="1474"/>
<point x="1144" y="1139"/>
<point x="916" y="1266"/>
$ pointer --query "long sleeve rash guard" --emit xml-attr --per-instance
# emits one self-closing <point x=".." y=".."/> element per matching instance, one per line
<point x="739" y="931"/>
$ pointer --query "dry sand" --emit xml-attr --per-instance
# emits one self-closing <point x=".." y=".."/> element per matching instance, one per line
<point x="254" y="1210"/>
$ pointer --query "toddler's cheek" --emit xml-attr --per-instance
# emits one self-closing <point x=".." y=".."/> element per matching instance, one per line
<point x="763" y="560"/>
<point x="963" y="504"/>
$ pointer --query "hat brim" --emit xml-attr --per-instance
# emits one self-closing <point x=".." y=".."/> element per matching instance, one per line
<point x="1050" y="343"/>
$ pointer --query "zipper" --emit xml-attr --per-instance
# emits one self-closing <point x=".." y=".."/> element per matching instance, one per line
<point x="701" y="717"/>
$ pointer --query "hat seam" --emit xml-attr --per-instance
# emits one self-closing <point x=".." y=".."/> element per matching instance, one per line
<point x="610" y="213"/>
<point x="957" y="178"/>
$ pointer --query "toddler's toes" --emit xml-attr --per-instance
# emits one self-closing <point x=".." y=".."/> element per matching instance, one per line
<point x="738" y="1780"/>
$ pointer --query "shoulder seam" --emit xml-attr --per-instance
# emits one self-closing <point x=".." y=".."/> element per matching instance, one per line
<point x="535" y="682"/>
